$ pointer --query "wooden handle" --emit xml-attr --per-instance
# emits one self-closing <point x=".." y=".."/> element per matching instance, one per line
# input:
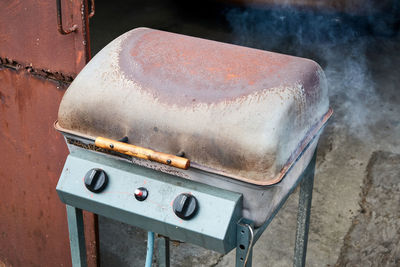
<point x="143" y="153"/>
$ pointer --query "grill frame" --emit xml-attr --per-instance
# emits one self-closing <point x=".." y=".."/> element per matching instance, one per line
<point x="255" y="197"/>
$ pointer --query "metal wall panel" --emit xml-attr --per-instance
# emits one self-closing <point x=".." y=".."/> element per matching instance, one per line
<point x="36" y="64"/>
<point x="29" y="35"/>
<point x="33" y="224"/>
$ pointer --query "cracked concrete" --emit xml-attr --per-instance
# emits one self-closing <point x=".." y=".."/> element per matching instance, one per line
<point x="374" y="237"/>
<point x="358" y="145"/>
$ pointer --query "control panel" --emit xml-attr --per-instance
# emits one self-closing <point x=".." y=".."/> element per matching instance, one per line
<point x="169" y="205"/>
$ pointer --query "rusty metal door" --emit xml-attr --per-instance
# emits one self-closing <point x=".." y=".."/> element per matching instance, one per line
<point x="37" y="62"/>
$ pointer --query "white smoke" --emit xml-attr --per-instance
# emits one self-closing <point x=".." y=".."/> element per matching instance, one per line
<point x="339" y="43"/>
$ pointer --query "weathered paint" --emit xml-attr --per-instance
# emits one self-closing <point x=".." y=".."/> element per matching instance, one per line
<point x="33" y="224"/>
<point x="184" y="70"/>
<point x="73" y="28"/>
<point x="237" y="111"/>
<point x="36" y="62"/>
<point x="18" y="66"/>
<point x="28" y="34"/>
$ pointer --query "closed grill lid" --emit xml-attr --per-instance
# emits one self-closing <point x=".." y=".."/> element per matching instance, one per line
<point x="241" y="112"/>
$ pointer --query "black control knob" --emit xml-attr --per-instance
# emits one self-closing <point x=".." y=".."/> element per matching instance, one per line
<point x="96" y="180"/>
<point x="185" y="206"/>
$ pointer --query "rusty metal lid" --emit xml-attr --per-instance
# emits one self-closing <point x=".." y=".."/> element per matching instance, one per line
<point x="242" y="112"/>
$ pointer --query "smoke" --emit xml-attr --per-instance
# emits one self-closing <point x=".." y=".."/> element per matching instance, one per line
<point x="338" y="42"/>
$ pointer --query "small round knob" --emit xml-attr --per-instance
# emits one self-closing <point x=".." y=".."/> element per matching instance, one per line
<point x="141" y="193"/>
<point x="96" y="180"/>
<point x="185" y="206"/>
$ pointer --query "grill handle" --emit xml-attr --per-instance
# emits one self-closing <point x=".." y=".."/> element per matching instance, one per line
<point x="143" y="153"/>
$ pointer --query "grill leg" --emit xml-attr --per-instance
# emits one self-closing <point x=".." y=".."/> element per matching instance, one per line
<point x="163" y="251"/>
<point x="303" y="215"/>
<point x="244" y="246"/>
<point x="76" y="236"/>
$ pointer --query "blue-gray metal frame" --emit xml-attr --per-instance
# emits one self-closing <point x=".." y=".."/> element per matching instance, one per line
<point x="246" y="235"/>
<point x="244" y="243"/>
<point x="163" y="256"/>
<point x="303" y="216"/>
<point x="76" y="236"/>
<point x="306" y="181"/>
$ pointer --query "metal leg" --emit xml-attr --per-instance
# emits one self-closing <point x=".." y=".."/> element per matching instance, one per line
<point x="76" y="236"/>
<point x="303" y="215"/>
<point x="163" y="251"/>
<point x="245" y="241"/>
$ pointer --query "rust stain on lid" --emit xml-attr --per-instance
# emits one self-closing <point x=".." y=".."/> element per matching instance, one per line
<point x="191" y="69"/>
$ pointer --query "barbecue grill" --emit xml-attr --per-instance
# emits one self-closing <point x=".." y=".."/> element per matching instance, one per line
<point x="196" y="140"/>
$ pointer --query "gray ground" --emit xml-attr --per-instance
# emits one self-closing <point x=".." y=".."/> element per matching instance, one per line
<point x="355" y="217"/>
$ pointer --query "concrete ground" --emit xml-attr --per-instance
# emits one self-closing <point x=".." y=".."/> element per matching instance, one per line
<point x="355" y="218"/>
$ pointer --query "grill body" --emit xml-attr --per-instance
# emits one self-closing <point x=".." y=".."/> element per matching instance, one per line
<point x="249" y="120"/>
<point x="239" y="112"/>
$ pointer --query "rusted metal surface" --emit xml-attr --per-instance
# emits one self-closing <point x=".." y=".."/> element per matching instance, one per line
<point x="33" y="224"/>
<point x="42" y="73"/>
<point x="233" y="110"/>
<point x="60" y="26"/>
<point x="184" y="70"/>
<point x="29" y="35"/>
<point x="36" y="64"/>
<point x="92" y="9"/>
